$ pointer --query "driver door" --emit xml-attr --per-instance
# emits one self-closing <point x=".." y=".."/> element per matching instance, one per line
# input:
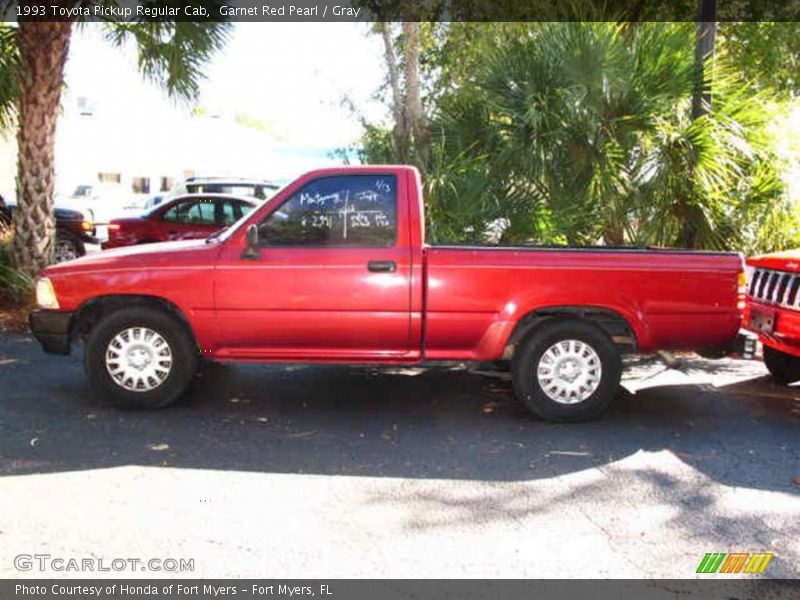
<point x="332" y="277"/>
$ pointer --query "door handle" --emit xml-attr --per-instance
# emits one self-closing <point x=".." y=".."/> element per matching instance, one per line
<point x="382" y="266"/>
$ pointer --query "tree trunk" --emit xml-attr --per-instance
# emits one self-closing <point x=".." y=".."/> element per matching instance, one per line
<point x="613" y="235"/>
<point x="401" y="135"/>
<point x="43" y="51"/>
<point x="705" y="39"/>
<point x="705" y="42"/>
<point x="415" y="119"/>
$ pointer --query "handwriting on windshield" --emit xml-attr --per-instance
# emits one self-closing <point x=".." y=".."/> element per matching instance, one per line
<point x="350" y="210"/>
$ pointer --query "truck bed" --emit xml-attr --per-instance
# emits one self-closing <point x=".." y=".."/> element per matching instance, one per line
<point x="670" y="298"/>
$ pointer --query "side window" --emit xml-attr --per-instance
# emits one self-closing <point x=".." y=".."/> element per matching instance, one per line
<point x="344" y="210"/>
<point x="191" y="212"/>
<point x="176" y="213"/>
<point x="228" y="210"/>
<point x="201" y="213"/>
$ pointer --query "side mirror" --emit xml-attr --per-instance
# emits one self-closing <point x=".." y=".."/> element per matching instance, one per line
<point x="251" y="236"/>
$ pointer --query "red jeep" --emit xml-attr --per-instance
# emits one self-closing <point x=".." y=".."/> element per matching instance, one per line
<point x="335" y="269"/>
<point x="773" y="311"/>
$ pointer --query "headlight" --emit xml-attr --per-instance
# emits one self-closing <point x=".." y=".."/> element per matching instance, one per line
<point x="45" y="294"/>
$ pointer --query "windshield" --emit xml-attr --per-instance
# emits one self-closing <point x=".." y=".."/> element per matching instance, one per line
<point x="82" y="191"/>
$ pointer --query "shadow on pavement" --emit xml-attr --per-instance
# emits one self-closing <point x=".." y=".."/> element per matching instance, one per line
<point x="413" y="423"/>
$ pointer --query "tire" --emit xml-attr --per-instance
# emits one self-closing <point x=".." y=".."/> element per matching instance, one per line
<point x="584" y="374"/>
<point x="783" y="367"/>
<point x="139" y="384"/>
<point x="67" y="248"/>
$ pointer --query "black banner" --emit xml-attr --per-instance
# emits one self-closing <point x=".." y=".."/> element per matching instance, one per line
<point x="716" y="588"/>
<point x="396" y="10"/>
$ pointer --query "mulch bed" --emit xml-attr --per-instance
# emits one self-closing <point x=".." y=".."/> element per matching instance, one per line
<point x="14" y="315"/>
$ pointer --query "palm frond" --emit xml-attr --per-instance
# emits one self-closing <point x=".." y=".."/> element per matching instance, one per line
<point x="9" y="62"/>
<point x="173" y="54"/>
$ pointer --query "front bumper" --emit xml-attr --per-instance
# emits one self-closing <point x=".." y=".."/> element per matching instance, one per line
<point x="786" y="334"/>
<point x="74" y="230"/>
<point x="51" y="329"/>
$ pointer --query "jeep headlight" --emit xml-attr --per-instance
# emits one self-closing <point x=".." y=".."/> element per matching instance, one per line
<point x="45" y="294"/>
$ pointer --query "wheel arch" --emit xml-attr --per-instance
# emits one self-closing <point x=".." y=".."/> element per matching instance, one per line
<point x="618" y="328"/>
<point x="90" y="312"/>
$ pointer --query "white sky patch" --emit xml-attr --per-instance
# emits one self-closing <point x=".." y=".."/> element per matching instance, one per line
<point x="290" y="76"/>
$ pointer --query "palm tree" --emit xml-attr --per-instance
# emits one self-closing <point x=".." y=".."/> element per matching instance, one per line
<point x="584" y="133"/>
<point x="169" y="53"/>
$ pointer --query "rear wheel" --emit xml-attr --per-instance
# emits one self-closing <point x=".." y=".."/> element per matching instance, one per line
<point x="139" y="357"/>
<point x="784" y="367"/>
<point x="566" y="371"/>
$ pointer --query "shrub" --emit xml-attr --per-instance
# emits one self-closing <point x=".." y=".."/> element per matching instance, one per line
<point x="15" y="286"/>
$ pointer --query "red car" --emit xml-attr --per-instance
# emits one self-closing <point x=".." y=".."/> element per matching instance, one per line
<point x="773" y="311"/>
<point x="188" y="217"/>
<point x="335" y="269"/>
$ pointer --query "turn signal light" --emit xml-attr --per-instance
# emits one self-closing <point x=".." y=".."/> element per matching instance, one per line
<point x="87" y="225"/>
<point x="741" y="291"/>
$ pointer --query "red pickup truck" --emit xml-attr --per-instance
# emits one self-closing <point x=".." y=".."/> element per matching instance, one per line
<point x="773" y="311"/>
<point x="335" y="269"/>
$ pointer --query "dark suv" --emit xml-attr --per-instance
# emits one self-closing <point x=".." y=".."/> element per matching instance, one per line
<point x="74" y="230"/>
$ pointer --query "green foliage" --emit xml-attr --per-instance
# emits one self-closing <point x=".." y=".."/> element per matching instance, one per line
<point x="583" y="133"/>
<point x="768" y="54"/>
<point x="377" y="145"/>
<point x="15" y="285"/>
<point x="8" y="83"/>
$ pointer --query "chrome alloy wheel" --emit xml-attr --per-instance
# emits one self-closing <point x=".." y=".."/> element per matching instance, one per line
<point x="569" y="371"/>
<point x="138" y="359"/>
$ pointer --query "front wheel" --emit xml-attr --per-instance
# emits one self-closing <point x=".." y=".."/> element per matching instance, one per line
<point x="67" y="248"/>
<point x="566" y="371"/>
<point x="784" y="367"/>
<point x="139" y="358"/>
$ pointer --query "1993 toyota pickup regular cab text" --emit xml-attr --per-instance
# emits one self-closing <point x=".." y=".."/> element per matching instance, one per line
<point x="335" y="268"/>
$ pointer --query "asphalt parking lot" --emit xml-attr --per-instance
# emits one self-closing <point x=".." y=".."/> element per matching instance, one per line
<point x="364" y="472"/>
